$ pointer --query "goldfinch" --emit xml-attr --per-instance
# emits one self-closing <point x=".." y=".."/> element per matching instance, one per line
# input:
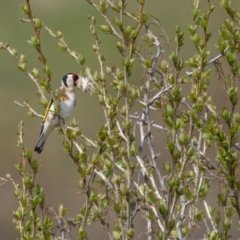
<point x="67" y="96"/>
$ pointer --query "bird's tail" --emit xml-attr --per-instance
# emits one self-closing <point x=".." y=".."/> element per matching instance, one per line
<point x="40" y="144"/>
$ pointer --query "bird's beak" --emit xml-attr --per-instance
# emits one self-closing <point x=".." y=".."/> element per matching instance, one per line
<point x="76" y="83"/>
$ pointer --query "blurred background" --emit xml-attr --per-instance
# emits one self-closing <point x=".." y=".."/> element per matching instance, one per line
<point x="58" y="175"/>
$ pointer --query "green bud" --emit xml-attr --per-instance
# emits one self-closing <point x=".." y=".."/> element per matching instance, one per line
<point x="192" y="30"/>
<point x="170" y="146"/>
<point x="212" y="7"/>
<point x="59" y="34"/>
<point x="34" y="166"/>
<point x="227" y="224"/>
<point x="14" y="51"/>
<point x="147" y="63"/>
<point x="18" y="215"/>
<point x="119" y="46"/>
<point x="30" y="114"/>
<point x="22" y="67"/>
<point x="123" y="111"/>
<point x="133" y="150"/>
<point x="144" y="17"/>
<point x="22" y="58"/>
<point x="93" y="19"/>
<point x="73" y="53"/>
<point x="173" y="57"/>
<point x="67" y="146"/>
<point x="180" y="64"/>
<point x="183" y="139"/>
<point x="170" y="78"/>
<point x="80" y="59"/>
<point x="119" y="74"/>
<point x="35" y="72"/>
<point x="27" y="179"/>
<point x="8" y="176"/>
<point x="167" y="167"/>
<point x="163" y="210"/>
<point x="45" y="84"/>
<point x="117" y="21"/>
<point x="164" y="66"/>
<point x="37" y="23"/>
<point x="193" y="62"/>
<point x="95" y="48"/>
<point x="93" y="30"/>
<point x="103" y="7"/>
<point x="105" y="28"/>
<point x="62" y="211"/>
<point x="171" y="224"/>
<point x="82" y="233"/>
<point x="126" y="62"/>
<point x="28" y="155"/>
<point x="134" y="33"/>
<point x="62" y="46"/>
<point x="108" y="70"/>
<point x="102" y="58"/>
<point x="122" y="86"/>
<point x="128" y="124"/>
<point x="196" y="39"/>
<point x="34" y="41"/>
<point x="47" y="70"/>
<point x="130" y="233"/>
<point x="102" y="76"/>
<point x="25" y="9"/>
<point x="36" y="200"/>
<point x="226" y="114"/>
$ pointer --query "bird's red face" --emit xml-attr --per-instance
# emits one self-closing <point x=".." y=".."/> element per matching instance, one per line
<point x="75" y="79"/>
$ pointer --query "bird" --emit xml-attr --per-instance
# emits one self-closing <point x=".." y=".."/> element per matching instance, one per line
<point x="67" y="102"/>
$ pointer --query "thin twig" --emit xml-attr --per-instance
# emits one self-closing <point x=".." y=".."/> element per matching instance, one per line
<point x="26" y="105"/>
<point x="210" y="61"/>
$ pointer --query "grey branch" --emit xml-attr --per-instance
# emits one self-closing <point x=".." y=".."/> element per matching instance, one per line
<point x="158" y="95"/>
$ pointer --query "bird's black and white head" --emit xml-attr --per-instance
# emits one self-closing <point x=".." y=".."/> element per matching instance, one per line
<point x="70" y="80"/>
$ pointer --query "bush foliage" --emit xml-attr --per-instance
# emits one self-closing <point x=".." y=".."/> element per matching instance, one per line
<point x="123" y="174"/>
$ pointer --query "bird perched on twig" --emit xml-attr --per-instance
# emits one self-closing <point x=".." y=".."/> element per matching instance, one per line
<point x="67" y="102"/>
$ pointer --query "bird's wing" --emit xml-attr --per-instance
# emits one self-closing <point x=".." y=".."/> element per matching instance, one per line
<point x="45" y="115"/>
<point x="62" y="91"/>
<point x="47" y="110"/>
